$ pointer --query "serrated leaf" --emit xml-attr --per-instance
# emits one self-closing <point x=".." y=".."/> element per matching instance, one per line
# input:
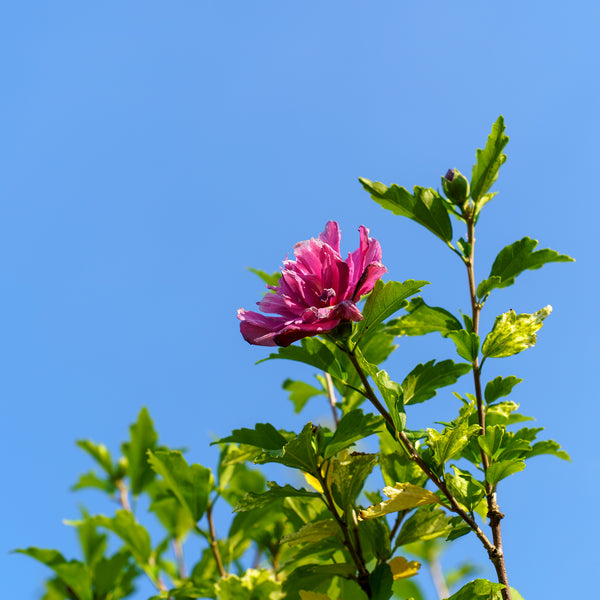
<point x="268" y="278"/>
<point x="397" y="466"/>
<point x="298" y="453"/>
<point x="450" y="443"/>
<point x="190" y="484"/>
<point x="264" y="436"/>
<point x="402" y="496"/>
<point x="513" y="260"/>
<point x="349" y="475"/>
<point x="491" y="442"/>
<point x="479" y="589"/>
<point x="143" y="438"/>
<point x="134" y="535"/>
<point x="252" y="585"/>
<point x="100" y="453"/>
<point x="424" y="524"/>
<point x="353" y="426"/>
<point x="72" y="573"/>
<point x="502" y="469"/>
<point x="424" y="380"/>
<point x="300" y="393"/>
<point x="422" y="319"/>
<point x="488" y="161"/>
<point x="313" y="352"/>
<point x="465" y="488"/>
<point x="393" y="398"/>
<point x="548" y="447"/>
<point x="275" y="492"/>
<point x="424" y="205"/>
<point x="467" y="344"/>
<point x="500" y="387"/>
<point x="312" y="532"/>
<point x="513" y="333"/>
<point x="384" y="301"/>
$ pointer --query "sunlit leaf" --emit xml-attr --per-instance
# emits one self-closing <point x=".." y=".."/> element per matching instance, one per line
<point x="402" y="496"/>
<point x="402" y="568"/>
<point x="312" y="532"/>
<point x="424" y="380"/>
<point x="143" y="438"/>
<point x="467" y="344"/>
<point x="499" y="387"/>
<point x="422" y="319"/>
<point x="353" y="426"/>
<point x="275" y="492"/>
<point x="513" y="333"/>
<point x="502" y="469"/>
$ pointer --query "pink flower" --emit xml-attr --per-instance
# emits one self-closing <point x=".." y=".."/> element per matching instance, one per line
<point x="316" y="291"/>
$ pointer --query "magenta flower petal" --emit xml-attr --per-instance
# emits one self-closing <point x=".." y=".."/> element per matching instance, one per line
<point x="316" y="291"/>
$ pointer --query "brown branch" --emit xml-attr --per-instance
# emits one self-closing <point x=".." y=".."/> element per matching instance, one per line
<point x="213" y="540"/>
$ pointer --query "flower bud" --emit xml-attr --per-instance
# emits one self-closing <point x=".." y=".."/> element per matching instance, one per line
<point x="456" y="186"/>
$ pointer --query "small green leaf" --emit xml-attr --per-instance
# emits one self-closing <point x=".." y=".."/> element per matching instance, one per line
<point x="424" y="380"/>
<point x="312" y="351"/>
<point x="502" y="469"/>
<point x="143" y="438"/>
<point x="275" y="492"/>
<point x="548" y="447"/>
<point x="300" y="393"/>
<point x="380" y="582"/>
<point x="467" y="344"/>
<point x="480" y="589"/>
<point x="99" y="453"/>
<point x="91" y="480"/>
<point x="312" y="532"/>
<point x="384" y="301"/>
<point x="491" y="442"/>
<point x="424" y="205"/>
<point x="450" y="443"/>
<point x="269" y="279"/>
<point x="513" y="333"/>
<point x="500" y="387"/>
<point x="393" y="398"/>
<point x="189" y="484"/>
<point x="489" y="161"/>
<point x="349" y="475"/>
<point x="353" y="426"/>
<point x="298" y="453"/>
<point x="426" y="523"/>
<point x="134" y="535"/>
<point x="264" y="436"/>
<point x="422" y="319"/>
<point x="465" y="488"/>
<point x="397" y="466"/>
<point x="73" y="573"/>
<point x="513" y="260"/>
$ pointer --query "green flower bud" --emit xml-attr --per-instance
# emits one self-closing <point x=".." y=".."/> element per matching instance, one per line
<point x="456" y="186"/>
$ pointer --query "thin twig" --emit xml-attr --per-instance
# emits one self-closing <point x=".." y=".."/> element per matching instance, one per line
<point x="213" y="540"/>
<point x="178" y="550"/>
<point x="437" y="575"/>
<point x="332" y="399"/>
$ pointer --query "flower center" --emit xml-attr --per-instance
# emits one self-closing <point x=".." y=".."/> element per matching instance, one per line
<point x="326" y="295"/>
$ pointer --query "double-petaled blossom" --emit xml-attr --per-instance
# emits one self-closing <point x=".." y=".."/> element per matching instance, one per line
<point x="316" y="292"/>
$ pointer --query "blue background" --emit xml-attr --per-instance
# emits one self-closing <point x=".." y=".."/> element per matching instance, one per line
<point x="150" y="151"/>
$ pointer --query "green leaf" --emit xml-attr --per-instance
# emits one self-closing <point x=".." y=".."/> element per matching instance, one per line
<point x="93" y="544"/>
<point x="479" y="589"/>
<point x="353" y="426"/>
<point x="313" y="352"/>
<point x="172" y="514"/>
<point x="100" y="453"/>
<point x="426" y="523"/>
<point x="252" y="585"/>
<point x="450" y="443"/>
<point x="397" y="466"/>
<point x="275" y="492"/>
<point x="488" y="162"/>
<point x="513" y="260"/>
<point x="424" y="380"/>
<point x="115" y="576"/>
<point x="424" y="205"/>
<point x="491" y="442"/>
<point x="143" y="438"/>
<point x="548" y="447"/>
<point x="393" y="398"/>
<point x="310" y="576"/>
<point x="74" y="574"/>
<point x="384" y="301"/>
<point x="269" y="279"/>
<point x="502" y="469"/>
<point x="312" y="532"/>
<point x="500" y="387"/>
<point x="264" y="436"/>
<point x="513" y="333"/>
<point x="298" y="453"/>
<point x="189" y="484"/>
<point x="422" y="319"/>
<point x="91" y="480"/>
<point x="465" y="488"/>
<point x="467" y="344"/>
<point x="349" y="475"/>
<point x="381" y="581"/>
<point x="301" y="393"/>
<point x="134" y="535"/>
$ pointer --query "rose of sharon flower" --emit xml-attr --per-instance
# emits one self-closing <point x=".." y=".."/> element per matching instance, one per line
<point x="316" y="292"/>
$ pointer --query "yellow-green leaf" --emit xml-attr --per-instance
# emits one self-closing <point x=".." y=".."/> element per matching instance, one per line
<point x="401" y="497"/>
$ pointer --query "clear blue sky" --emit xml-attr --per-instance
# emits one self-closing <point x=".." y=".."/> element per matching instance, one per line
<point x="152" y="150"/>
